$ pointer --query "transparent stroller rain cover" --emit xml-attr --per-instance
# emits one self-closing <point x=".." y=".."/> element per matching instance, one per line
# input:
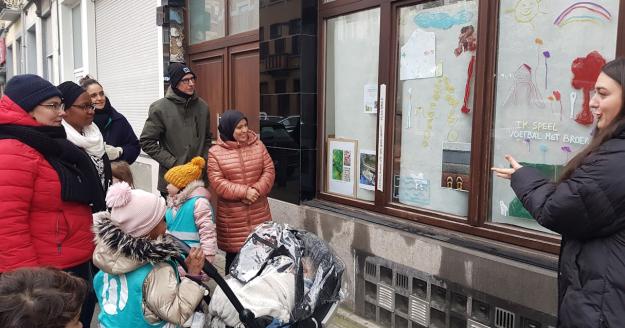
<point x="317" y="269"/>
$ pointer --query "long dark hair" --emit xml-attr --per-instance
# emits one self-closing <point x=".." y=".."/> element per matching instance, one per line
<point x="40" y="297"/>
<point x="88" y="80"/>
<point x="616" y="71"/>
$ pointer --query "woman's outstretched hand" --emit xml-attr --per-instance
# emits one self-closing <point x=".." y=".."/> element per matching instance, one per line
<point x="506" y="173"/>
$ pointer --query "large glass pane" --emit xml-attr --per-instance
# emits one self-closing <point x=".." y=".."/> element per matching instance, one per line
<point x="206" y="20"/>
<point x="550" y="53"/>
<point x="243" y="16"/>
<point x="31" y="50"/>
<point x="46" y="45"/>
<point x="352" y="44"/>
<point x="434" y="106"/>
<point x="77" y="36"/>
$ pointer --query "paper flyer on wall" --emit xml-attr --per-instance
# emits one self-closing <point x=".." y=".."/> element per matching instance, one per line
<point x="370" y="98"/>
<point x="417" y="59"/>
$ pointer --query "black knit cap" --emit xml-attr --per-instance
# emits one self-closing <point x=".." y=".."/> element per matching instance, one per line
<point x="71" y="91"/>
<point x="176" y="72"/>
<point x="29" y="90"/>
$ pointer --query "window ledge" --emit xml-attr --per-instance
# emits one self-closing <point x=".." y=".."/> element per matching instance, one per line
<point x="507" y="251"/>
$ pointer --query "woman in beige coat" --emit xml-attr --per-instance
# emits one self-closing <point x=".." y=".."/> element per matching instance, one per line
<point x="241" y="172"/>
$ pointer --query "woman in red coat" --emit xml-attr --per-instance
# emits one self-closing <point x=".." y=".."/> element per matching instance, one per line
<point x="46" y="183"/>
<point x="241" y="172"/>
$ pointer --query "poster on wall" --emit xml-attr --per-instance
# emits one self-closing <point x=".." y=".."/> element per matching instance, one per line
<point x="417" y="58"/>
<point x="370" y="98"/>
<point x="367" y="162"/>
<point x="340" y="166"/>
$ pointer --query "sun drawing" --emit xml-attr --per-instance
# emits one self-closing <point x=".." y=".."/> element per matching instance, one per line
<point x="526" y="10"/>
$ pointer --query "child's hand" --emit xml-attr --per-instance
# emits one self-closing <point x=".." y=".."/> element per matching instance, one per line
<point x="195" y="261"/>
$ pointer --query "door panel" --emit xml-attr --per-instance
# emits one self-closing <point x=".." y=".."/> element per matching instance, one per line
<point x="244" y="93"/>
<point x="209" y="68"/>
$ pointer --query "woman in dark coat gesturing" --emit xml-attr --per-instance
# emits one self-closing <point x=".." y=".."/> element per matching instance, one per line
<point x="587" y="207"/>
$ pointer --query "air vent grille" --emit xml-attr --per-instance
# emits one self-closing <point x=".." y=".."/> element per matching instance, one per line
<point x="503" y="318"/>
<point x="419" y="311"/>
<point x="385" y="297"/>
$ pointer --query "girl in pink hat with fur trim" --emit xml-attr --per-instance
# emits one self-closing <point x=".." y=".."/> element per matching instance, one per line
<point x="138" y="285"/>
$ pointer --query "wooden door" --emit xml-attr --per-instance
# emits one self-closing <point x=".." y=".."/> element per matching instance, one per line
<point x="228" y="78"/>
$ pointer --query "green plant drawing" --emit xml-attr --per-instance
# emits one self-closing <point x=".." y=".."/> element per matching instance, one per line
<point x="337" y="164"/>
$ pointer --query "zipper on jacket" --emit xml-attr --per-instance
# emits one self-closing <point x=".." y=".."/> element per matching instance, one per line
<point x="246" y="183"/>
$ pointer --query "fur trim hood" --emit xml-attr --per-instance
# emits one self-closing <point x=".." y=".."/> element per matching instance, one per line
<point x="194" y="188"/>
<point x="117" y="252"/>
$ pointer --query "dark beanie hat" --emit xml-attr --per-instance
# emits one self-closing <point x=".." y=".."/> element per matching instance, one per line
<point x="29" y="90"/>
<point x="176" y="72"/>
<point x="228" y="123"/>
<point x="71" y="91"/>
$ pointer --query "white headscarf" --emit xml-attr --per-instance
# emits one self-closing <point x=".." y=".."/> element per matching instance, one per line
<point x="90" y="140"/>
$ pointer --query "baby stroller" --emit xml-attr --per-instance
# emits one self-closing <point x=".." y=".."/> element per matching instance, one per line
<point x="277" y="248"/>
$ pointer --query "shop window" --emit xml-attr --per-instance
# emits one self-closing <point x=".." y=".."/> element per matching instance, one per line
<point x="352" y="43"/>
<point x="77" y="36"/>
<point x="545" y="72"/>
<point x="9" y="63"/>
<point x="206" y="20"/>
<point x="433" y="111"/>
<point x="18" y="55"/>
<point x="243" y="16"/>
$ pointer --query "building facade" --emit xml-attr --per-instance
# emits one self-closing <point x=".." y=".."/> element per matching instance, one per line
<point x="383" y="119"/>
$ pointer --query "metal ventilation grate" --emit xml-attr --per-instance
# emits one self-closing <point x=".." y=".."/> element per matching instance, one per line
<point x="401" y="281"/>
<point x="385" y="297"/>
<point x="473" y="324"/>
<point x="503" y="318"/>
<point x="419" y="311"/>
<point x="370" y="269"/>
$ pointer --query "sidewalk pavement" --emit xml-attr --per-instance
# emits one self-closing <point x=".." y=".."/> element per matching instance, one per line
<point x="342" y="318"/>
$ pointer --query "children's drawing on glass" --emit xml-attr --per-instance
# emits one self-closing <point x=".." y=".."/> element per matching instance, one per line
<point x="583" y="12"/>
<point x="585" y="72"/>
<point x="524" y="92"/>
<point x="547" y="56"/>
<point x="525" y="11"/>
<point x="467" y="42"/>
<point x="441" y="20"/>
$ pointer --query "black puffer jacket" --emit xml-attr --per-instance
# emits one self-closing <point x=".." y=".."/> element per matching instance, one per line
<point x="588" y="210"/>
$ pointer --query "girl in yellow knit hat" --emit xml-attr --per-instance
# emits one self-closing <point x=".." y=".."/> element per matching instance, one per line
<point x="189" y="214"/>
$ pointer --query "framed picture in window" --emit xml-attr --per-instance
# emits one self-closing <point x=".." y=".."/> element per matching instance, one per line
<point x="341" y="166"/>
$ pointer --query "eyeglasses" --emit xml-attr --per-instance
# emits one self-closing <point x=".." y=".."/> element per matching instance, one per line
<point x="187" y="81"/>
<point x="59" y="107"/>
<point x="85" y="107"/>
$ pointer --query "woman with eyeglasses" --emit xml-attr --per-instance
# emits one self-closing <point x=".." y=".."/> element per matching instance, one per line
<point x="121" y="141"/>
<point x="80" y="129"/>
<point x="46" y="185"/>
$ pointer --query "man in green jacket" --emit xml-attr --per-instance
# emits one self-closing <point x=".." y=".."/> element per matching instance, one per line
<point x="178" y="125"/>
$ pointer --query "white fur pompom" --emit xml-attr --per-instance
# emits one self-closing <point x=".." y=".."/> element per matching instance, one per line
<point x="118" y="194"/>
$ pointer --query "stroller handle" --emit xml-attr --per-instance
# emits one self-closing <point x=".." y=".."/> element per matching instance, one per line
<point x="246" y="316"/>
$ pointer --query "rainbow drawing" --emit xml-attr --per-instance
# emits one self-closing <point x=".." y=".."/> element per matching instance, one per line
<point x="583" y="11"/>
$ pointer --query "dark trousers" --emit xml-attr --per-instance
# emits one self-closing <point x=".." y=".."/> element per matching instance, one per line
<point x="229" y="259"/>
<point x="86" y="272"/>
